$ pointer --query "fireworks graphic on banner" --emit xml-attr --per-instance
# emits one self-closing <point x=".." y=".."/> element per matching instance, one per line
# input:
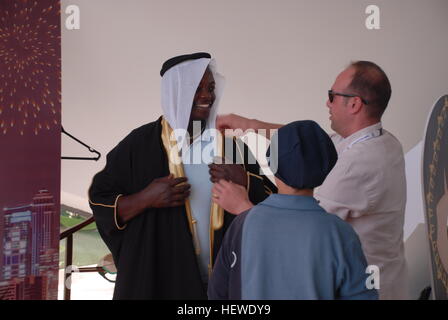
<point x="30" y="92"/>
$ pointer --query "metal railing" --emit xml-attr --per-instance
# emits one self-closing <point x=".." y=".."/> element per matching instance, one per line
<point x="68" y="234"/>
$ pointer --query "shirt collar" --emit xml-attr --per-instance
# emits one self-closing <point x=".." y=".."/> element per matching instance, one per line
<point x="294" y="202"/>
<point x="358" y="134"/>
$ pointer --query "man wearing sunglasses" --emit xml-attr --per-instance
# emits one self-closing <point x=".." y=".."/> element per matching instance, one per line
<point x="367" y="186"/>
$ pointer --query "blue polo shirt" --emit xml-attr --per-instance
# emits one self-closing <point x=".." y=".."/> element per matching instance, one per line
<point x="195" y="161"/>
<point x="288" y="247"/>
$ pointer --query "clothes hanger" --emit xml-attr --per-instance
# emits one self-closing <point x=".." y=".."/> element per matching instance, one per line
<point x="80" y="142"/>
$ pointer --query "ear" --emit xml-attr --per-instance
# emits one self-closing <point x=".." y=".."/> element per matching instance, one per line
<point x="355" y="105"/>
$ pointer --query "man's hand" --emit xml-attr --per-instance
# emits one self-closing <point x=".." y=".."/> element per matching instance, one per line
<point x="232" y="121"/>
<point x="230" y="196"/>
<point x="229" y="172"/>
<point x="166" y="192"/>
<point x="161" y="192"/>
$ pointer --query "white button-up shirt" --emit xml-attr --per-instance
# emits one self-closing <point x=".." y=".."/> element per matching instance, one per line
<point x="367" y="188"/>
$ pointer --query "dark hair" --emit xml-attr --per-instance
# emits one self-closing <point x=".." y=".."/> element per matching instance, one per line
<point x="372" y="84"/>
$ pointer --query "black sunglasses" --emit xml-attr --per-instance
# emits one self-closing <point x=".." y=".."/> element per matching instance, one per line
<point x="332" y="93"/>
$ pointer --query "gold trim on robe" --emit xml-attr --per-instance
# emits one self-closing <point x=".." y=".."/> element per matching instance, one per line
<point x="216" y="212"/>
<point x="115" y="210"/>
<point x="177" y="170"/>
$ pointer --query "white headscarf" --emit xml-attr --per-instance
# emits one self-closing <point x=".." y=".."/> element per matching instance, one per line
<point x="179" y="85"/>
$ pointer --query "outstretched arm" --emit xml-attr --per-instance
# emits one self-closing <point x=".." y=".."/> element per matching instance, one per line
<point x="233" y="121"/>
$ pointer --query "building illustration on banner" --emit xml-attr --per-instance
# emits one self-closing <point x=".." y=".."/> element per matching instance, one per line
<point x="30" y="260"/>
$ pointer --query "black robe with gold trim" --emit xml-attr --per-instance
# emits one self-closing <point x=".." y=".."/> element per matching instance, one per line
<point x="154" y="253"/>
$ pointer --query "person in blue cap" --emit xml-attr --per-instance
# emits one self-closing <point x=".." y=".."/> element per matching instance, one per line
<point x="288" y="247"/>
<point x="367" y="186"/>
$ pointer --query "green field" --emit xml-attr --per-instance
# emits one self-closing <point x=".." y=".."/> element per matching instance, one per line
<point x="68" y="222"/>
<point x="88" y="247"/>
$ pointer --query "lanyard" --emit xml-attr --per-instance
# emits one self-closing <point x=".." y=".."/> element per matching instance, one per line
<point x="371" y="135"/>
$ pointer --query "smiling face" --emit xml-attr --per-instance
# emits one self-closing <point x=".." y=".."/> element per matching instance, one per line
<point x="203" y="98"/>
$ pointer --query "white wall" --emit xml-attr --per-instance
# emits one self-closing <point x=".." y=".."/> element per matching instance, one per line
<point x="415" y="230"/>
<point x="279" y="58"/>
<point x="414" y="203"/>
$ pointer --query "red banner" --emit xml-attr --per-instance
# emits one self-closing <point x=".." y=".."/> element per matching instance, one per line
<point x="30" y="136"/>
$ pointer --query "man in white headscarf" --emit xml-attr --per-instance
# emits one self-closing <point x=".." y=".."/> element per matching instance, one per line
<point x="163" y="232"/>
